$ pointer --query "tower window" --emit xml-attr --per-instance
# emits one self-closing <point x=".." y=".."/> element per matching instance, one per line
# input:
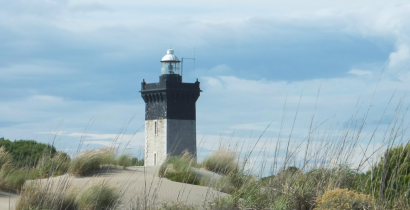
<point x="155" y="127"/>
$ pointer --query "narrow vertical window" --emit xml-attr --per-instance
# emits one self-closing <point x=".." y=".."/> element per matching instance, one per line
<point x="155" y="159"/>
<point x="155" y="128"/>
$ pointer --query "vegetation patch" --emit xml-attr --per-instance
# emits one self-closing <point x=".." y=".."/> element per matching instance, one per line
<point x="176" y="206"/>
<point x="179" y="169"/>
<point x="343" y="199"/>
<point x="222" y="161"/>
<point x="35" y="196"/>
<point x="124" y="161"/>
<point x="390" y="178"/>
<point x="27" y="153"/>
<point x="184" y="177"/>
<point x="91" y="160"/>
<point x="98" y="196"/>
<point x="137" y="162"/>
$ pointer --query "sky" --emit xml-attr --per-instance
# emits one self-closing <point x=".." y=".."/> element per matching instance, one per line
<point x="71" y="70"/>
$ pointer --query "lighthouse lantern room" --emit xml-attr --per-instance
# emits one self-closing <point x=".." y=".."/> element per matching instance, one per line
<point x="170" y="63"/>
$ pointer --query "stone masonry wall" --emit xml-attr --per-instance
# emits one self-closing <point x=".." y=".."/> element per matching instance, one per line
<point x="155" y="143"/>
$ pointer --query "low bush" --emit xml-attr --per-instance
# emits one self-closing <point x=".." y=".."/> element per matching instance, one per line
<point x="13" y="177"/>
<point x="137" y="162"/>
<point x="223" y="161"/>
<point x="124" y="161"/>
<point x="343" y="199"/>
<point x="27" y="153"/>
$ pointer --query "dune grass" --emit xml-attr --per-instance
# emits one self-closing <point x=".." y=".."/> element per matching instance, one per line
<point x="98" y="196"/>
<point x="38" y="196"/>
<point x="5" y="157"/>
<point x="179" y="169"/>
<point x="223" y="160"/>
<point x="59" y="196"/>
<point x="91" y="160"/>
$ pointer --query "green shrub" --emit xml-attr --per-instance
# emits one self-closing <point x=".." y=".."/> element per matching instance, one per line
<point x="98" y="196"/>
<point x="91" y="160"/>
<point x="343" y="199"/>
<point x="137" y="162"/>
<point x="124" y="161"/>
<point x="26" y="153"/>
<point x="221" y="161"/>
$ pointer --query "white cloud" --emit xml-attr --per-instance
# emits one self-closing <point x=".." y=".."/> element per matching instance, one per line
<point x="359" y="72"/>
<point x="400" y="57"/>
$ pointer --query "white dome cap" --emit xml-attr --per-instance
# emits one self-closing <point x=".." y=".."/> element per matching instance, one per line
<point x="170" y="56"/>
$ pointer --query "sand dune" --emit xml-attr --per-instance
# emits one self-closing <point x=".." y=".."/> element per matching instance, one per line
<point x="131" y="183"/>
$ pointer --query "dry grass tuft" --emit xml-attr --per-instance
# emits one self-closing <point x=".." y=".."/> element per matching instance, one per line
<point x="179" y="169"/>
<point x="91" y="160"/>
<point x="38" y="196"/>
<point x="58" y="195"/>
<point x="222" y="161"/>
<point x="98" y="196"/>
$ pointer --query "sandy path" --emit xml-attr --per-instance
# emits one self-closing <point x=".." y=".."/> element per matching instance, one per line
<point x="132" y="183"/>
<point x="6" y="200"/>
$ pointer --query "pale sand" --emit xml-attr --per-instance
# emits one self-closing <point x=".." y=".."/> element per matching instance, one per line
<point x="7" y="199"/>
<point x="132" y="182"/>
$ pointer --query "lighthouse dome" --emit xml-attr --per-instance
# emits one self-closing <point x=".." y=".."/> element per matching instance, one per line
<point x="170" y="56"/>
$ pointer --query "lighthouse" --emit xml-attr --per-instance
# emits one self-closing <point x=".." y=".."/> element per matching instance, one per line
<point x="170" y="113"/>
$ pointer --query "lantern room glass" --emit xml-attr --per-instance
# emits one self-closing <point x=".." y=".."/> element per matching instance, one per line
<point x="170" y="67"/>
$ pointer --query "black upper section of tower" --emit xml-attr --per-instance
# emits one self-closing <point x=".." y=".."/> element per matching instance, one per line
<point x="170" y="98"/>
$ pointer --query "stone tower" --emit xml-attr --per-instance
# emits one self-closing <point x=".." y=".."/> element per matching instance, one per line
<point x="170" y="114"/>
